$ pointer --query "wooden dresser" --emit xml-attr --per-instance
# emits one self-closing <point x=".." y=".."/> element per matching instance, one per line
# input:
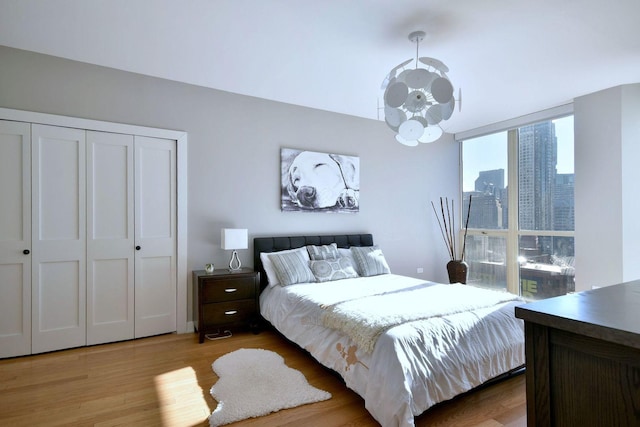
<point x="223" y="299"/>
<point x="583" y="358"/>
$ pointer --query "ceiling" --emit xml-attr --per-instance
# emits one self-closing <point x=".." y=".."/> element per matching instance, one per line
<point x="509" y="57"/>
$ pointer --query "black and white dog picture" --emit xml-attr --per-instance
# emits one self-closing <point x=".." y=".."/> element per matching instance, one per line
<point x="319" y="182"/>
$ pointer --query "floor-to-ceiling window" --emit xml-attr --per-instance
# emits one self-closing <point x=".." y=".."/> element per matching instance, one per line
<point x="520" y="232"/>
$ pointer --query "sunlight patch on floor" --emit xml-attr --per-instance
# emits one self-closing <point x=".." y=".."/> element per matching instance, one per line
<point x="181" y="400"/>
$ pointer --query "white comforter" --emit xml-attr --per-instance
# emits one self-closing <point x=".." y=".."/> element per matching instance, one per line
<point x="413" y="365"/>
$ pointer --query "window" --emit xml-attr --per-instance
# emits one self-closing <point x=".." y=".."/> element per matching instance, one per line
<point x="521" y="224"/>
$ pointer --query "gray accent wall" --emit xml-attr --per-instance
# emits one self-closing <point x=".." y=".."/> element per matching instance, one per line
<point x="234" y="144"/>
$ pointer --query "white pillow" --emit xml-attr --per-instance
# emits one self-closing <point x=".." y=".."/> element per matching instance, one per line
<point x="267" y="264"/>
<point x="370" y="260"/>
<point x="292" y="267"/>
<point x="346" y="252"/>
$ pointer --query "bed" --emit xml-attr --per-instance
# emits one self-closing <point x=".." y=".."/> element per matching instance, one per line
<point x="445" y="340"/>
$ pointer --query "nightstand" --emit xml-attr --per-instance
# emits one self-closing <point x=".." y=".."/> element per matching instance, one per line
<point x="223" y="299"/>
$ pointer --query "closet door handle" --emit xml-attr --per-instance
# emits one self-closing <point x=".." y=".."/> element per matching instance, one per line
<point x="26" y="252"/>
<point x="138" y="248"/>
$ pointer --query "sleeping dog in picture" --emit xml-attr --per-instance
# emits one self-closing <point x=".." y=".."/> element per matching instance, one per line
<point x="320" y="180"/>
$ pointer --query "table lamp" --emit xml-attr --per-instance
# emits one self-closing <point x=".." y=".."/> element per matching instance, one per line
<point x="234" y="239"/>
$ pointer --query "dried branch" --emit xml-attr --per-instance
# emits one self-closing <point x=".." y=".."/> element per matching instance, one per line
<point x="452" y="221"/>
<point x="448" y="226"/>
<point x="442" y="232"/>
<point x="466" y="227"/>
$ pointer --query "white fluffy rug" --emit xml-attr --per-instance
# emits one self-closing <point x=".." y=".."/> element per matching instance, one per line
<point x="256" y="382"/>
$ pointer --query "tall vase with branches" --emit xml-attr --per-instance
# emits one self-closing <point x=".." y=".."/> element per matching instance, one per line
<point x="457" y="267"/>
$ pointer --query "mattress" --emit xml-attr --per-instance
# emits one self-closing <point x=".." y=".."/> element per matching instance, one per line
<point x="413" y="365"/>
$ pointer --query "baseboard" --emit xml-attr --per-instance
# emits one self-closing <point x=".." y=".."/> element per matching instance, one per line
<point x="190" y="328"/>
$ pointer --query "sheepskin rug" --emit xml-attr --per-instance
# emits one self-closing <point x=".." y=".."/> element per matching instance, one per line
<point x="255" y="382"/>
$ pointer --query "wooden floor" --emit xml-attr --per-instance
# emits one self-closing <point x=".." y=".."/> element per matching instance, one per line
<point x="165" y="381"/>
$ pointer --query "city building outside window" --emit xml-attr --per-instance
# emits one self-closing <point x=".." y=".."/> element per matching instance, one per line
<point x="521" y="226"/>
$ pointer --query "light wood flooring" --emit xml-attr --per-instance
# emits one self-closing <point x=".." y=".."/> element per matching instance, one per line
<point x="165" y="381"/>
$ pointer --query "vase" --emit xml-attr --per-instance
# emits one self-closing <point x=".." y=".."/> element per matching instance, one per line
<point x="457" y="270"/>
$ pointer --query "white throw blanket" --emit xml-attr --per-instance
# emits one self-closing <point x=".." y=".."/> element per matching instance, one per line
<point x="364" y="319"/>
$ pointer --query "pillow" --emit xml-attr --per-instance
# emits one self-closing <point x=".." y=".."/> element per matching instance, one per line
<point x="323" y="252"/>
<point x="370" y="260"/>
<point x="326" y="270"/>
<point x="292" y="267"/>
<point x="267" y="264"/>
<point x="346" y="252"/>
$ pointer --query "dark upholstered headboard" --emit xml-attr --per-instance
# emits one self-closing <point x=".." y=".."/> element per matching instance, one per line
<point x="273" y="244"/>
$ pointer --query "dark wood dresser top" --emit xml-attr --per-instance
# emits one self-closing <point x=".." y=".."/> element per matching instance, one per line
<point x="609" y="313"/>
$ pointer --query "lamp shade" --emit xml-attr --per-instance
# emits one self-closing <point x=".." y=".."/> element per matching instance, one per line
<point x="234" y="238"/>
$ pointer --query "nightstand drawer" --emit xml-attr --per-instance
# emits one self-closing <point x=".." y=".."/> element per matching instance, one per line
<point x="228" y="289"/>
<point x="228" y="312"/>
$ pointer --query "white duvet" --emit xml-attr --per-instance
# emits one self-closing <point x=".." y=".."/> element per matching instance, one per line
<point x="411" y="366"/>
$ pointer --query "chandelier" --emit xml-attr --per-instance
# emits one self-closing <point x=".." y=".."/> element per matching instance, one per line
<point x="418" y="99"/>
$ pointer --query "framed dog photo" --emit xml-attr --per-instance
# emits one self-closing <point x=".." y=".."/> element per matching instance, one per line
<point x="319" y="182"/>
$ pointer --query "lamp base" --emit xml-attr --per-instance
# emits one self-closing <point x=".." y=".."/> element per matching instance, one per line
<point x="235" y="264"/>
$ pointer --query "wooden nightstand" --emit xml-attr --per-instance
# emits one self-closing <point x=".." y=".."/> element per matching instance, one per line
<point x="223" y="299"/>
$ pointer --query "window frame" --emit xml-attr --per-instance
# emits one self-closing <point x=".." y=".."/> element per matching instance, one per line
<point x="512" y="233"/>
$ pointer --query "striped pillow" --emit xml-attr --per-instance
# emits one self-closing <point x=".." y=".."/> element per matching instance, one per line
<point x="292" y="267"/>
<point x="323" y="252"/>
<point x="370" y="260"/>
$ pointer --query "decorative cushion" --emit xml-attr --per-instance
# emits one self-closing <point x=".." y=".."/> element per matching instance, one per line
<point x="370" y="260"/>
<point x="346" y="252"/>
<point x="292" y="267"/>
<point x="323" y="252"/>
<point x="326" y="270"/>
<point x="267" y="264"/>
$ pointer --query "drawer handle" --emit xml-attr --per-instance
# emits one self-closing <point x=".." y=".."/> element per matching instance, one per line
<point x="230" y="290"/>
<point x="230" y="312"/>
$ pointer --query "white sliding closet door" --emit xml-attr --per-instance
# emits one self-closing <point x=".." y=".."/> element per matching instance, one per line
<point x="110" y="237"/>
<point x="155" y="229"/>
<point x="59" y="238"/>
<point x="15" y="238"/>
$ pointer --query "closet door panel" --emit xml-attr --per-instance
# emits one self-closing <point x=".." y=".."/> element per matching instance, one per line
<point x="60" y="292"/>
<point x="110" y="237"/>
<point x="155" y="228"/>
<point x="59" y="238"/>
<point x="15" y="238"/>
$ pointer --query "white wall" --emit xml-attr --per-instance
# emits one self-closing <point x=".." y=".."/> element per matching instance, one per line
<point x="607" y="149"/>
<point x="234" y="157"/>
<point x="630" y="137"/>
